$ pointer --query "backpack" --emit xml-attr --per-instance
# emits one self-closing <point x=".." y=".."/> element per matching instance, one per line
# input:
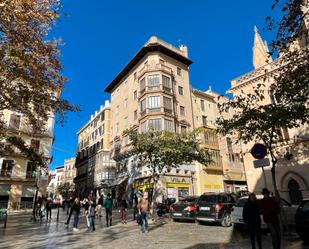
<point x="92" y="211"/>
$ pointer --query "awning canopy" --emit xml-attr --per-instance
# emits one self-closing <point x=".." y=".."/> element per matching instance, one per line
<point x="118" y="181"/>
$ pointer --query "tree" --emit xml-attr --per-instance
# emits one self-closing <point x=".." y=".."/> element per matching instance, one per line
<point x="66" y="190"/>
<point x="161" y="150"/>
<point x="31" y="81"/>
<point x="253" y="121"/>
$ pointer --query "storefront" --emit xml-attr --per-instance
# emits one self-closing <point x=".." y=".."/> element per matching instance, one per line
<point x="4" y="195"/>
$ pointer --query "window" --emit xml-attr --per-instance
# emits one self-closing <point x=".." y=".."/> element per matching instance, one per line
<point x="168" y="125"/>
<point x="135" y="95"/>
<point x="126" y="122"/>
<point x="179" y="71"/>
<point x="102" y="116"/>
<point x="14" y="121"/>
<point x="125" y="102"/>
<point x="142" y="84"/>
<point x="143" y="105"/>
<point x="154" y="103"/>
<point x="117" y="110"/>
<point x="180" y="90"/>
<point x="35" y="145"/>
<point x="153" y="80"/>
<point x="166" y="81"/>
<point x="183" y="129"/>
<point x="182" y="110"/>
<point x="167" y="103"/>
<point x="135" y="114"/>
<point x="143" y="127"/>
<point x="126" y="85"/>
<point x="155" y="124"/>
<point x="204" y="119"/>
<point x="7" y="168"/>
<point x="202" y="105"/>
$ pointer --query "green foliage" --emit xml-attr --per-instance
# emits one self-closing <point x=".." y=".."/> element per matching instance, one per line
<point x="30" y="69"/>
<point x="66" y="190"/>
<point x="161" y="149"/>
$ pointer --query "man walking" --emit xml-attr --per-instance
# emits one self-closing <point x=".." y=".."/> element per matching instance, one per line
<point x="91" y="215"/>
<point x="108" y="204"/>
<point x="251" y="216"/>
<point x="270" y="210"/>
<point x="123" y="210"/>
<point x="143" y="208"/>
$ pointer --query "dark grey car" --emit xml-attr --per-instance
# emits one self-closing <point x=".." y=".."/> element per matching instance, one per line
<point x="184" y="209"/>
<point x="215" y="208"/>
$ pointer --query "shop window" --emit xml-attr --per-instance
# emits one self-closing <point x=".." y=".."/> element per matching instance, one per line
<point x="7" y="168"/>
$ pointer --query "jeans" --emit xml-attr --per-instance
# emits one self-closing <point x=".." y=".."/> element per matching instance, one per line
<point x="91" y="223"/>
<point x="255" y="231"/>
<point x="108" y="216"/>
<point x="76" y="219"/>
<point x="48" y="213"/>
<point x="144" y="223"/>
<point x="275" y="234"/>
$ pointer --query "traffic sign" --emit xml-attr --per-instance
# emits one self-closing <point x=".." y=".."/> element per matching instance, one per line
<point x="259" y="151"/>
<point x="261" y="163"/>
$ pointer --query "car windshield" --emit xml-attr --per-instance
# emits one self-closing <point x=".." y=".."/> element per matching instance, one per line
<point x="208" y="198"/>
<point x="241" y="202"/>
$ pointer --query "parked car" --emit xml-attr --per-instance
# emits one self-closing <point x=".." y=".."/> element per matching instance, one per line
<point x="215" y="208"/>
<point x="184" y="209"/>
<point x="237" y="219"/>
<point x="164" y="208"/>
<point x="302" y="220"/>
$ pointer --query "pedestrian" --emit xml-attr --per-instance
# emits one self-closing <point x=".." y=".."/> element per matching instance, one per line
<point x="91" y="215"/>
<point x="108" y="204"/>
<point x="143" y="208"/>
<point x="70" y="210"/>
<point x="251" y="216"/>
<point x="123" y="210"/>
<point x="100" y="205"/>
<point x="270" y="210"/>
<point x="135" y="204"/>
<point x="76" y="212"/>
<point x="48" y="208"/>
<point x="86" y="211"/>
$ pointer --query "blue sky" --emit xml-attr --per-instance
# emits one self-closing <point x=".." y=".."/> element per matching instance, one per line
<point x="101" y="36"/>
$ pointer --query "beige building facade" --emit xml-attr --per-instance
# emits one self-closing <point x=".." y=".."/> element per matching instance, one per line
<point x="292" y="172"/>
<point x="17" y="178"/>
<point x="94" y="167"/>
<point x="151" y="91"/>
<point x="69" y="170"/>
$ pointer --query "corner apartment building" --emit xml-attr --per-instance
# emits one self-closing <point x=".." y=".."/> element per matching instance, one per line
<point x="17" y="182"/>
<point x="94" y="167"/>
<point x="226" y="171"/>
<point x="69" y="170"/>
<point x="292" y="173"/>
<point x="152" y="90"/>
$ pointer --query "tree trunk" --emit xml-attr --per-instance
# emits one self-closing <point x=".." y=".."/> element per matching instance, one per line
<point x="273" y="176"/>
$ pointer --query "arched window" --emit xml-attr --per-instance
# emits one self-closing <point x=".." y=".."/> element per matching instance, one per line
<point x="295" y="194"/>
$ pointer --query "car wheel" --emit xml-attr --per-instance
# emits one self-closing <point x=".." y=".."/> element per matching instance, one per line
<point x="226" y="221"/>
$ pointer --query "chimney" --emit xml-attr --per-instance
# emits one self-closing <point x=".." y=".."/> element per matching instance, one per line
<point x="184" y="50"/>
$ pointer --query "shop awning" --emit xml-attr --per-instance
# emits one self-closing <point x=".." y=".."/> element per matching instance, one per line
<point x="118" y="181"/>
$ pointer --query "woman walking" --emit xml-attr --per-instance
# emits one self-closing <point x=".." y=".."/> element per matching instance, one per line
<point x="76" y="212"/>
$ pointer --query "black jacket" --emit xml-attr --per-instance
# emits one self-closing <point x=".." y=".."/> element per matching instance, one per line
<point x="251" y="213"/>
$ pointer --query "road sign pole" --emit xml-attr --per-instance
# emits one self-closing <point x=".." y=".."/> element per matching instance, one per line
<point x="264" y="176"/>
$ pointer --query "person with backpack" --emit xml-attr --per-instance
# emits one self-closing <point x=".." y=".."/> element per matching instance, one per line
<point x="108" y="204"/>
<point x="91" y="215"/>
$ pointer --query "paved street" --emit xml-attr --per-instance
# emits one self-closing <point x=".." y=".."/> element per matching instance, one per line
<point x="21" y="233"/>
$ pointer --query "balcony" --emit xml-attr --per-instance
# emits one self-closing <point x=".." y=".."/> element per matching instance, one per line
<point x="156" y="111"/>
<point x="156" y="89"/>
<point x="153" y="68"/>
